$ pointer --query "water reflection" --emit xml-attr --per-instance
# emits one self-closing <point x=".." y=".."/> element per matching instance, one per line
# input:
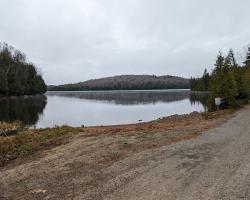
<point x="199" y="98"/>
<point x="99" y="108"/>
<point x="25" y="109"/>
<point x="128" y="97"/>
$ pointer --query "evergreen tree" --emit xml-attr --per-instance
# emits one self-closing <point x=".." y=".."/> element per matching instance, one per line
<point x="246" y="76"/>
<point x="222" y="83"/>
<point x="200" y="84"/>
<point x="228" y="80"/>
<point x="237" y="72"/>
<point x="205" y="79"/>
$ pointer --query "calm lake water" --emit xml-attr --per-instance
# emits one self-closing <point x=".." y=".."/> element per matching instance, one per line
<point x="99" y="108"/>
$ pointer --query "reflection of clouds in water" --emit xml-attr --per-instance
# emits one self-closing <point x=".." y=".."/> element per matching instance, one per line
<point x="77" y="112"/>
<point x="99" y="108"/>
<point x="128" y="97"/>
<point x="25" y="109"/>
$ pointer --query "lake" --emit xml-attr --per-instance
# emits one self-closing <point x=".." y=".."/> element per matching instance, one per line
<point x="99" y="107"/>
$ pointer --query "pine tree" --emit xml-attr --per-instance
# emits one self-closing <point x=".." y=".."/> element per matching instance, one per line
<point x="205" y="80"/>
<point x="247" y="62"/>
<point x="237" y="72"/>
<point x="217" y="76"/>
<point x="222" y="83"/>
<point x="246" y="77"/>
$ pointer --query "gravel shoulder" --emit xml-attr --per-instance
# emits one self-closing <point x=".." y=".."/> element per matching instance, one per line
<point x="215" y="165"/>
<point x="187" y="157"/>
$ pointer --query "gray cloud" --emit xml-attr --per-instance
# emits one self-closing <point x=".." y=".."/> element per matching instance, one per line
<point x="77" y="40"/>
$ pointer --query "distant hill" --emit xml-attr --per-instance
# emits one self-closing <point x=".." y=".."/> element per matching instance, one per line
<point x="126" y="82"/>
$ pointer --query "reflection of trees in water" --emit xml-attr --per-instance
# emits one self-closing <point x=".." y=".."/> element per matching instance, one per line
<point x="136" y="97"/>
<point x="127" y="97"/>
<point x="25" y="109"/>
<point x="199" y="97"/>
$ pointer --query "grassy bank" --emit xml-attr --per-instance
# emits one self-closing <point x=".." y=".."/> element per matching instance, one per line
<point x="156" y="133"/>
<point x="28" y="141"/>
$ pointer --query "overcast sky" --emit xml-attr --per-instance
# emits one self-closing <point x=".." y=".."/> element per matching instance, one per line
<point x="76" y="40"/>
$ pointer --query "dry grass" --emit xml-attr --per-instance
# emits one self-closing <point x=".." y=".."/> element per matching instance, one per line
<point x="28" y="141"/>
<point x="11" y="126"/>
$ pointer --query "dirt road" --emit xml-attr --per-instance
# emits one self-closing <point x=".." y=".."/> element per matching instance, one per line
<point x="213" y="166"/>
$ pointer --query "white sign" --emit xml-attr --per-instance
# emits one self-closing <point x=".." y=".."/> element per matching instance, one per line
<point x="217" y="101"/>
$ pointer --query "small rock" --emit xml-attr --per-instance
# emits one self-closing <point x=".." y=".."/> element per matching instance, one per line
<point x="37" y="191"/>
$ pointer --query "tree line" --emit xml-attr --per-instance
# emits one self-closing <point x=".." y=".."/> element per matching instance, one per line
<point x="17" y="75"/>
<point x="228" y="80"/>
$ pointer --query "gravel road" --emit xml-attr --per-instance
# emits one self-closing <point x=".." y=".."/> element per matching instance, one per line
<point x="212" y="166"/>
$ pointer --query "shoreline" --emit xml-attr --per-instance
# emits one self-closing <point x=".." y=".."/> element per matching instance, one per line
<point x="136" y="90"/>
<point x="87" y="163"/>
<point x="29" y="143"/>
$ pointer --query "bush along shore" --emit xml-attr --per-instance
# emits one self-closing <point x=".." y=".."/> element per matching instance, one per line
<point x="27" y="142"/>
<point x="229" y="81"/>
<point x="17" y="76"/>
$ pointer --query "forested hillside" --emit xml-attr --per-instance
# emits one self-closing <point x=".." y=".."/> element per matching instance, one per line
<point x="228" y="80"/>
<point x="127" y="82"/>
<point x="17" y="76"/>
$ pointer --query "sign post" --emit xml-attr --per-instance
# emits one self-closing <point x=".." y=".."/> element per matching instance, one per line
<point x="217" y="101"/>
